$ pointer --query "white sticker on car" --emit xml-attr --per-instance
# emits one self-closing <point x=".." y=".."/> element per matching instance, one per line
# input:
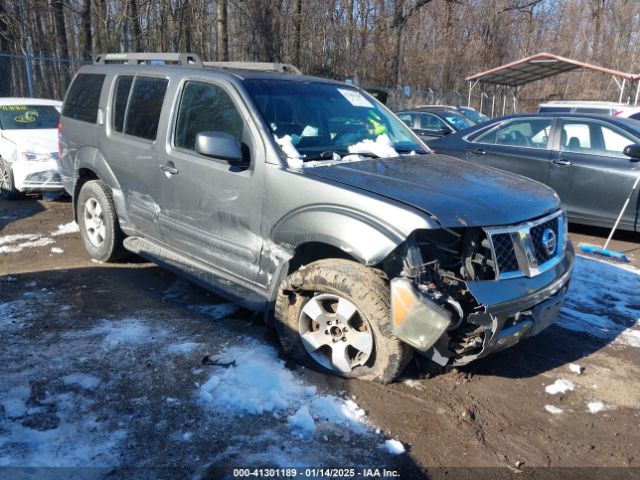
<point x="355" y="98"/>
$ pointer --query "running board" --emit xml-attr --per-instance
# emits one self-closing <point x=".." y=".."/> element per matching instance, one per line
<point x="198" y="272"/>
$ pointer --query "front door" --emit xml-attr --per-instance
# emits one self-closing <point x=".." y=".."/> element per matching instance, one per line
<point x="519" y="146"/>
<point x="590" y="172"/>
<point x="210" y="209"/>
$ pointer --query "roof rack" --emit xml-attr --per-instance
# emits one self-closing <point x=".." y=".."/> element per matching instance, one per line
<point x="261" y="66"/>
<point x="182" y="59"/>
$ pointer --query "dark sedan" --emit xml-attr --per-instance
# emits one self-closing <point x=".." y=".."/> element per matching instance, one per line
<point x="431" y="123"/>
<point x="582" y="156"/>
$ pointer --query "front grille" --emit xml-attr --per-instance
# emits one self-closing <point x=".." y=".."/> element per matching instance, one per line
<point x="537" y="234"/>
<point x="505" y="253"/>
<point x="528" y="249"/>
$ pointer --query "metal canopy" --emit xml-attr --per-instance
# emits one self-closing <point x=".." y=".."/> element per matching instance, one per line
<point x="537" y="67"/>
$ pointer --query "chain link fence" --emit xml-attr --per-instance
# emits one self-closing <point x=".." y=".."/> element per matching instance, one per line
<point x="35" y="76"/>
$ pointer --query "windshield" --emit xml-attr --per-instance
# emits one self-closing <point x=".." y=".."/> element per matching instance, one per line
<point x="474" y="115"/>
<point x="323" y="118"/>
<point x="459" y="122"/>
<point x="28" y="117"/>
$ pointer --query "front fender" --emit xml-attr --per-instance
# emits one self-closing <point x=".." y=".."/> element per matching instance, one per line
<point x="367" y="239"/>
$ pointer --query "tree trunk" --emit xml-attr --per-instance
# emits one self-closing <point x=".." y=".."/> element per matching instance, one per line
<point x="137" y="30"/>
<point x="222" y="37"/>
<point x="87" y="42"/>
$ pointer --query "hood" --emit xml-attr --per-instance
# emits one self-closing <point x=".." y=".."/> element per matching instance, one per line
<point x="37" y="140"/>
<point x="456" y="192"/>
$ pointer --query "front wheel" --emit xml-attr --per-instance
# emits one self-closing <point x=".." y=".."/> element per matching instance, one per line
<point x="99" y="228"/>
<point x="333" y="315"/>
<point x="8" y="189"/>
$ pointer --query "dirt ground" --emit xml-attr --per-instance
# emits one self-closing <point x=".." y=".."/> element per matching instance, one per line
<point x="492" y="419"/>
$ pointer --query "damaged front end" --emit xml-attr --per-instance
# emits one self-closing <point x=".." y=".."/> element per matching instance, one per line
<point x="460" y="294"/>
<point x="36" y="173"/>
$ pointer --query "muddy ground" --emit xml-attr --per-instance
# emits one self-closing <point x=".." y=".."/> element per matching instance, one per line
<point x="131" y="404"/>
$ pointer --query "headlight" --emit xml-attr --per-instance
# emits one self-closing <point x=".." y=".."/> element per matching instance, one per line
<point x="39" y="157"/>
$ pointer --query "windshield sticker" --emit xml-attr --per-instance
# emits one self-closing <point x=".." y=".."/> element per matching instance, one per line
<point x="12" y="108"/>
<point x="355" y="98"/>
<point x="27" y="117"/>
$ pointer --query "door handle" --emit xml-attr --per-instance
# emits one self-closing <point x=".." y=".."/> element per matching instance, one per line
<point x="562" y="162"/>
<point x="478" y="151"/>
<point x="169" y="168"/>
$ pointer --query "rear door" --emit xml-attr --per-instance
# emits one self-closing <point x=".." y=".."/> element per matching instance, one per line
<point x="519" y="145"/>
<point x="130" y="145"/>
<point x="212" y="210"/>
<point x="590" y="173"/>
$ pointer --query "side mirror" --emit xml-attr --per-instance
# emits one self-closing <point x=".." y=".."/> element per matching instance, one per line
<point x="632" y="151"/>
<point x="444" y="131"/>
<point x="219" y="145"/>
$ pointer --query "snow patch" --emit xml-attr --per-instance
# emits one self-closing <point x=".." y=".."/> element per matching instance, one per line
<point x="302" y="421"/>
<point x="560" y="386"/>
<point x="56" y="250"/>
<point x="123" y="332"/>
<point x="596" y="406"/>
<point x="83" y="380"/>
<point x="575" y="368"/>
<point x="17" y="243"/>
<point x="602" y="302"/>
<point x="290" y="151"/>
<point x="394" y="447"/>
<point x="183" y="348"/>
<point x="380" y="147"/>
<point x="256" y="382"/>
<point x="67" y="228"/>
<point x="553" y="409"/>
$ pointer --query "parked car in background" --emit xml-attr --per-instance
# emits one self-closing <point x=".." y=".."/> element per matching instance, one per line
<point x="584" y="106"/>
<point x="431" y="123"/>
<point x="308" y="199"/>
<point x="590" y="160"/>
<point x="28" y="146"/>
<point x="469" y="112"/>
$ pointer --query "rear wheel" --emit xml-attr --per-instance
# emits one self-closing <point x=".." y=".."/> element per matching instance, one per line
<point x="98" y="222"/>
<point x="8" y="189"/>
<point x="333" y="315"/>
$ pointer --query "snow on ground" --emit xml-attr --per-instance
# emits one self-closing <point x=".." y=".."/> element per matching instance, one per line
<point x="553" y="409"/>
<point x="181" y="292"/>
<point x="67" y="228"/>
<point x="575" y="368"/>
<point x="394" y="447"/>
<point x="596" y="406"/>
<point x="603" y="302"/>
<point x="560" y="386"/>
<point x="17" y="243"/>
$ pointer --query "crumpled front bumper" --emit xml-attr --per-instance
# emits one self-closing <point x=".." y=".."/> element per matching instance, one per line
<point x="511" y="309"/>
<point x="36" y="176"/>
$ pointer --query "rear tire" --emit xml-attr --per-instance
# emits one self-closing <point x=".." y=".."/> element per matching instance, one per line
<point x="99" y="227"/>
<point x="8" y="189"/>
<point x="334" y="316"/>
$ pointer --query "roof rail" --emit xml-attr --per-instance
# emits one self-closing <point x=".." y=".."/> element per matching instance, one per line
<point x="261" y="66"/>
<point x="182" y="59"/>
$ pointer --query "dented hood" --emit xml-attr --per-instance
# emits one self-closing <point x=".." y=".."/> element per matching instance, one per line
<point x="37" y="140"/>
<point x="456" y="192"/>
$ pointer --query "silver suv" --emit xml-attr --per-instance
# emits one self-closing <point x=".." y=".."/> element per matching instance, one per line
<point x="308" y="200"/>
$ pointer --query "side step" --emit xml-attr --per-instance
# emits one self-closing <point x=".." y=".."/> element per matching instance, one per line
<point x="200" y="273"/>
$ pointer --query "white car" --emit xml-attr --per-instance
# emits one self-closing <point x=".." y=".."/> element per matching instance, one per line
<point x="28" y="146"/>
<point x="622" y="110"/>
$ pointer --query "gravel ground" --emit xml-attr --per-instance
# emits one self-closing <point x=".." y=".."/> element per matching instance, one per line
<point x="131" y="372"/>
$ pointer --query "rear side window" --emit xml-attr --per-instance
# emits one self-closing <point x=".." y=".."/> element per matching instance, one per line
<point x="530" y="133"/>
<point x="145" y="106"/>
<point x="123" y="87"/>
<point x="83" y="98"/>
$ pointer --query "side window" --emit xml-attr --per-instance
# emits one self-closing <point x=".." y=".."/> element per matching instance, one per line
<point x="82" y="100"/>
<point x="592" y="138"/>
<point x="145" y="106"/>
<point x="123" y="87"/>
<point x="205" y="108"/>
<point x="431" y="122"/>
<point x="531" y="133"/>
<point x="408" y="119"/>
<point x="614" y="142"/>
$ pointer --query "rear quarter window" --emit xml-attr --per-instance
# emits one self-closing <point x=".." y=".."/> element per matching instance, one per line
<point x="83" y="98"/>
